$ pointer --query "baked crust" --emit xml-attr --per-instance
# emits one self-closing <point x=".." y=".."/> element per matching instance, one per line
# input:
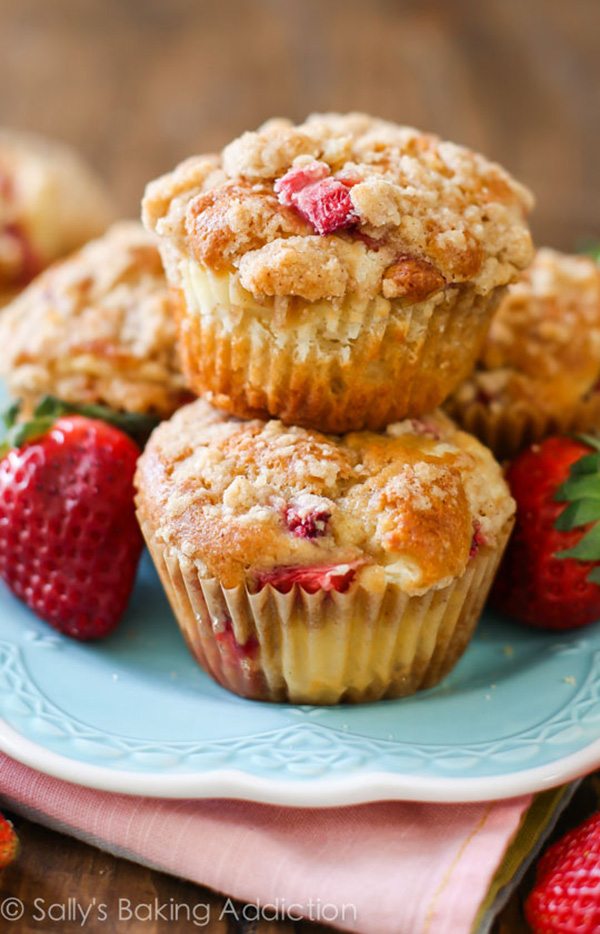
<point x="412" y="197"/>
<point x="50" y="204"/>
<point x="543" y="347"/>
<point x="97" y="327"/>
<point x="402" y="505"/>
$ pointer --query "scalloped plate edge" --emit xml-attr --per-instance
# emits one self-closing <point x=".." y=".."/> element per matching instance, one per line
<point x="360" y="789"/>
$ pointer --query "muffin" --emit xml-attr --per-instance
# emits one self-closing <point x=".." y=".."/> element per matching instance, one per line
<point x="50" y="204"/>
<point x="539" y="369"/>
<point x="340" y="274"/>
<point x="319" y="569"/>
<point x="98" y="327"/>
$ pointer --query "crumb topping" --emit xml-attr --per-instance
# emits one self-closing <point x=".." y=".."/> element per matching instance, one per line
<point x="543" y="346"/>
<point x="97" y="327"/>
<point x="409" y="197"/>
<point x="242" y="499"/>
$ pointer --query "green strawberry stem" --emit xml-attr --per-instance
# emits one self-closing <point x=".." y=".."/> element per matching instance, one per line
<point x="593" y="250"/>
<point x="50" y="408"/>
<point x="581" y="492"/>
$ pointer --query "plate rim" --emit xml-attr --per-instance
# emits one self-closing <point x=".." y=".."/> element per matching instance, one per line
<point x="318" y="793"/>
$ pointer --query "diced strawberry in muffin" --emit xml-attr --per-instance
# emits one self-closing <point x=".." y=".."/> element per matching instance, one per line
<point x="478" y="540"/>
<point x="326" y="205"/>
<point x="322" y="200"/>
<point x="227" y="641"/>
<point x="288" y="186"/>
<point x="307" y="516"/>
<point x="313" y="578"/>
<point x="428" y="429"/>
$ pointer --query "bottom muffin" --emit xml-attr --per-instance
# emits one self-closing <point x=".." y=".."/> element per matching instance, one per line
<point x="317" y="569"/>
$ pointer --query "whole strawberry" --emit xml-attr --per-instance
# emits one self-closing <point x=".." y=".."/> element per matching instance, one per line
<point x="69" y="540"/>
<point x="566" y="896"/>
<point x="9" y="843"/>
<point x="550" y="574"/>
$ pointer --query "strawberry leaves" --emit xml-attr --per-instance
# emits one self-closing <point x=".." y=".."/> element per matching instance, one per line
<point x="50" y="408"/>
<point x="581" y="492"/>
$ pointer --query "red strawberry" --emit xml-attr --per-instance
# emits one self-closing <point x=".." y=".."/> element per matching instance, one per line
<point x="312" y="578"/>
<point x="551" y="570"/>
<point x="323" y="201"/>
<point x="9" y="842"/>
<point x="69" y="540"/>
<point x="566" y="896"/>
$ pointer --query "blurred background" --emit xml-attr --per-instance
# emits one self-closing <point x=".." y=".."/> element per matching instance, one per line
<point x="137" y="85"/>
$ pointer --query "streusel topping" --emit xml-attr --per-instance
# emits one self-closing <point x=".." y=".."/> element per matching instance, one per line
<point x="544" y="342"/>
<point x="274" y="198"/>
<point x="241" y="499"/>
<point x="97" y="327"/>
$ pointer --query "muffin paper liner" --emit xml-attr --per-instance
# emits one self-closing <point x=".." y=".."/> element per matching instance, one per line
<point x="508" y="429"/>
<point x="362" y="364"/>
<point x="324" y="648"/>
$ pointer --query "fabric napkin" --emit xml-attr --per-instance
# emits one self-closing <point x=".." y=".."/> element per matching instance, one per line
<point x="383" y="868"/>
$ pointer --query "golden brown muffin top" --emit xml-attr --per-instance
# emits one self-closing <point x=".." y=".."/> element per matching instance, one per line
<point x="50" y="203"/>
<point x="244" y="499"/>
<point x="344" y="204"/>
<point x="97" y="327"/>
<point x="544" y="343"/>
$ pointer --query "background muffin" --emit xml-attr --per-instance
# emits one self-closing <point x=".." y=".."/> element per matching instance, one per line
<point x="97" y="327"/>
<point x="50" y="204"/>
<point x="316" y="569"/>
<point x="339" y="274"/>
<point x="539" y="369"/>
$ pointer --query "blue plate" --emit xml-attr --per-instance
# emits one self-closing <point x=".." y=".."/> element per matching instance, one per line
<point x="135" y="714"/>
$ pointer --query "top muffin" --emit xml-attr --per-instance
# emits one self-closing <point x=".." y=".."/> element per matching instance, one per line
<point x="338" y="275"/>
<point x="345" y="204"/>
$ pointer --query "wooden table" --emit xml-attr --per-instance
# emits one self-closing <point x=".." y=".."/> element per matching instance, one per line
<point x="138" y="84"/>
<point x="54" y="867"/>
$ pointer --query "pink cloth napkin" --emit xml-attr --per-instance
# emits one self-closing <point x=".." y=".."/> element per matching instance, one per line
<point x="385" y="868"/>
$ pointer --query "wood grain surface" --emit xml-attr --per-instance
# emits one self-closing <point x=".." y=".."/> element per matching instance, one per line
<point x="139" y="84"/>
<point x="136" y="85"/>
<point x="53" y="868"/>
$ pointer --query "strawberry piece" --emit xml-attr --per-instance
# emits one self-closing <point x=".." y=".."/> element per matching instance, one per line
<point x="288" y="186"/>
<point x="326" y="205"/>
<point x="551" y="570"/>
<point x="69" y="540"/>
<point x="426" y="428"/>
<point x="323" y="201"/>
<point x="307" y="516"/>
<point x="307" y="526"/>
<point x="9" y="842"/>
<point x="313" y="578"/>
<point x="228" y="643"/>
<point x="566" y="896"/>
<point x="478" y="540"/>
